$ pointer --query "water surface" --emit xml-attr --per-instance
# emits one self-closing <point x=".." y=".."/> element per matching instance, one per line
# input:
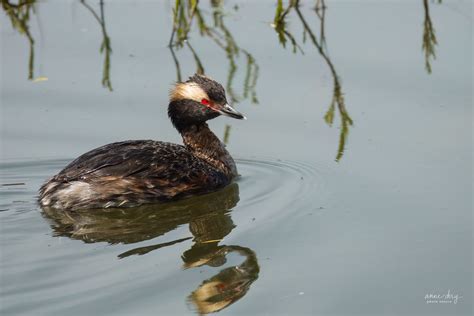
<point x="355" y="195"/>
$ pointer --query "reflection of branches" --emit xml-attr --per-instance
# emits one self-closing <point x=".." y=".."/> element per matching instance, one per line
<point x="337" y="98"/>
<point x="19" y="15"/>
<point x="251" y="78"/>
<point x="429" y="37"/>
<point x="105" y="47"/>
<point x="185" y="13"/>
<point x="320" y="10"/>
<point x="176" y="63"/>
<point x="279" y="24"/>
<point x="225" y="139"/>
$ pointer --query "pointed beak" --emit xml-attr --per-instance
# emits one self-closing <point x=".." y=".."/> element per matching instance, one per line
<point x="227" y="110"/>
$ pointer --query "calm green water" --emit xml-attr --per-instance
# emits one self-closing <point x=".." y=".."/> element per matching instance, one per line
<point x="368" y="215"/>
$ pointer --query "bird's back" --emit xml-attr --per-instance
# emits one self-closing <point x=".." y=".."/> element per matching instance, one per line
<point x="130" y="173"/>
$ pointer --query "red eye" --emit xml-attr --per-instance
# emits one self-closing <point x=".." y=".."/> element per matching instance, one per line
<point x="205" y="102"/>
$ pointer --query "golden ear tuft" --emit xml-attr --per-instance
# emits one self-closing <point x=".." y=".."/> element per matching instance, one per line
<point x="188" y="91"/>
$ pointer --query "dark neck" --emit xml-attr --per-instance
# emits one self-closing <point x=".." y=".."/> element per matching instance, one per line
<point x="202" y="142"/>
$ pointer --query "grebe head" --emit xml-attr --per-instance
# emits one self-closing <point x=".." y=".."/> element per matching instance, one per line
<point x="197" y="100"/>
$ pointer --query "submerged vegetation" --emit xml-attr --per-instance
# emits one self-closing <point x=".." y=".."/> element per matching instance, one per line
<point x="188" y="18"/>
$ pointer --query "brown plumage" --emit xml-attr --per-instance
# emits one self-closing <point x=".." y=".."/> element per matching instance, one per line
<point x="135" y="172"/>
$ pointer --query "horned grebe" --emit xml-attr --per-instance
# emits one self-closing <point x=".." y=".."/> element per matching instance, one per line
<point x="135" y="172"/>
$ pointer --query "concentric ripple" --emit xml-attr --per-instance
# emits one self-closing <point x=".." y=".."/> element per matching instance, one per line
<point x="271" y="191"/>
<point x="281" y="184"/>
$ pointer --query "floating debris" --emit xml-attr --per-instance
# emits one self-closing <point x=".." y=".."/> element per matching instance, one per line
<point x="11" y="184"/>
<point x="40" y="79"/>
<point x="210" y="241"/>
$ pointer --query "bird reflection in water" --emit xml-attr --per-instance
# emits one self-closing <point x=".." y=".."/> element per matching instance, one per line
<point x="226" y="287"/>
<point x="209" y="219"/>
